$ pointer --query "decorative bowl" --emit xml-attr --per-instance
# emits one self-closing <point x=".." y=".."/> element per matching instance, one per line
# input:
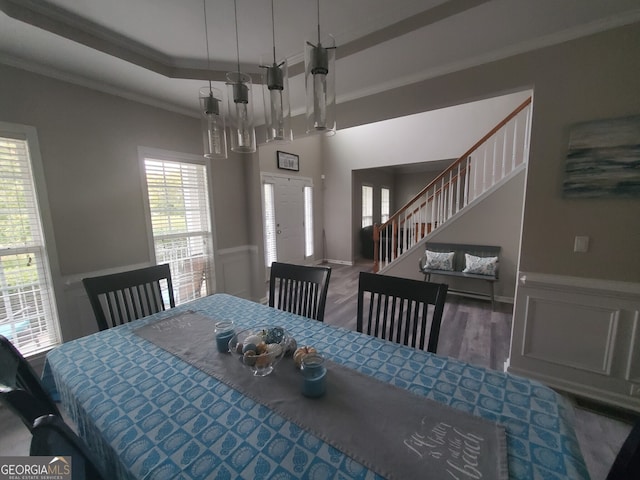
<point x="260" y="348"/>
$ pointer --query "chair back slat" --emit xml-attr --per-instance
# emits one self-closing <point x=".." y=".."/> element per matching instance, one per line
<point x="299" y="289"/>
<point x="53" y="437"/>
<point x="123" y="297"/>
<point x="20" y="387"/>
<point x="626" y="465"/>
<point x="402" y="310"/>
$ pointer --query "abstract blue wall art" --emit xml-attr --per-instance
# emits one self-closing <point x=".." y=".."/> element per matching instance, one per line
<point x="604" y="159"/>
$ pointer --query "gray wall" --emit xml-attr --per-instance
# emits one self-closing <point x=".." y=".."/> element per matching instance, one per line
<point x="435" y="135"/>
<point x="494" y="220"/>
<point x="408" y="185"/>
<point x="89" y="145"/>
<point x="589" y="78"/>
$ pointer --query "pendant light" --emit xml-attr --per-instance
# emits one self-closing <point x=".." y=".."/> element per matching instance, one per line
<point x="239" y="96"/>
<point x="275" y="89"/>
<point x="213" y="128"/>
<point x="319" y="73"/>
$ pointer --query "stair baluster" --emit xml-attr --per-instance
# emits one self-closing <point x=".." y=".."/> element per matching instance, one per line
<point x="458" y="186"/>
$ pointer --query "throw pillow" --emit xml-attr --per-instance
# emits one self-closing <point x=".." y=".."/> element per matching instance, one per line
<point x="439" y="260"/>
<point x="480" y="265"/>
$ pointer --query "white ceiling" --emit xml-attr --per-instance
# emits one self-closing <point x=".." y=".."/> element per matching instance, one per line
<point x="155" y="51"/>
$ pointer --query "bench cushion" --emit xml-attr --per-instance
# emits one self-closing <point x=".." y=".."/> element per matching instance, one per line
<point x="486" y="257"/>
<point x="459" y="260"/>
<point x="439" y="260"/>
<point x="480" y="265"/>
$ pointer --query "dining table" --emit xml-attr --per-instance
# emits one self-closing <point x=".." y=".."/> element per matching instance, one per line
<point x="148" y="412"/>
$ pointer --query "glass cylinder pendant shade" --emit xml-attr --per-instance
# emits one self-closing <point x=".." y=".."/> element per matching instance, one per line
<point x="277" y="109"/>
<point x="239" y="96"/>
<point x="213" y="128"/>
<point x="319" y="73"/>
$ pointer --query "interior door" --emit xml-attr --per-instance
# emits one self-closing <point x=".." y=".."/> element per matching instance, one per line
<point x="288" y="199"/>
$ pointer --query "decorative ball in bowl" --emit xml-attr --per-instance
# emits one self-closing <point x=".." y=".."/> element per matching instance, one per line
<point x="260" y="348"/>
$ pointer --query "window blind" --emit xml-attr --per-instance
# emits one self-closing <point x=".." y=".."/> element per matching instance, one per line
<point x="367" y="205"/>
<point x="28" y="315"/>
<point x="270" y="250"/>
<point x="180" y="221"/>
<point x="385" y="204"/>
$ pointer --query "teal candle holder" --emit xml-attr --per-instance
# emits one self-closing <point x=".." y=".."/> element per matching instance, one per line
<point x="224" y="332"/>
<point x="314" y="375"/>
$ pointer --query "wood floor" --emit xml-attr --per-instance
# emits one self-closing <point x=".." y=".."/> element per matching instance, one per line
<point x="470" y="332"/>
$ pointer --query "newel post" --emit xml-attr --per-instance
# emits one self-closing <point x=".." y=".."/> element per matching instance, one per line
<point x="376" y="246"/>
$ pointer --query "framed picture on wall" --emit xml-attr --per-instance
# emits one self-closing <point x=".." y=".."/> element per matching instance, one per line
<point x="288" y="161"/>
<point x="603" y="159"/>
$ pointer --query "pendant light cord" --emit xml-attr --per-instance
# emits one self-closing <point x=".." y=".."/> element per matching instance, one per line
<point x="235" y="10"/>
<point x="273" y="33"/>
<point x="206" y="36"/>
<point x="318" y="3"/>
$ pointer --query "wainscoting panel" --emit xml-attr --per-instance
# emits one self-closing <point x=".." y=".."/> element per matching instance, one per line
<point x="592" y="353"/>
<point x="633" y="366"/>
<point x="579" y="335"/>
<point x="233" y="269"/>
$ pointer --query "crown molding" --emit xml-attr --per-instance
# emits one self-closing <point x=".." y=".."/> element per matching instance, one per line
<point x="93" y="85"/>
<point x="73" y="27"/>
<point x="78" y="29"/>
<point x="509" y="51"/>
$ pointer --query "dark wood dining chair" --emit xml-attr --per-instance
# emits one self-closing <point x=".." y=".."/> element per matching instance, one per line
<point x="402" y="310"/>
<point x="122" y="297"/>
<point x="20" y="387"/>
<point x="626" y="465"/>
<point x="52" y="437"/>
<point x="299" y="289"/>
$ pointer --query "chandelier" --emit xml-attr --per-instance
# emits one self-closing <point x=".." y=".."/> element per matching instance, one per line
<point x="319" y="77"/>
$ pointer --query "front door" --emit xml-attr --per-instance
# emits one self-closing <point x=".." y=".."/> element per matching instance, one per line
<point x="288" y="216"/>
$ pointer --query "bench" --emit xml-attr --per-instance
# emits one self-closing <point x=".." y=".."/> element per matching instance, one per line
<point x="459" y="264"/>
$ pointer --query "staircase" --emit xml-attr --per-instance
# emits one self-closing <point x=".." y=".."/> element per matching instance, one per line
<point x="498" y="155"/>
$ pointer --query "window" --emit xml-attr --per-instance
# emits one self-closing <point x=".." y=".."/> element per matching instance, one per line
<point x="180" y="221"/>
<point x="308" y="221"/>
<point x="28" y="314"/>
<point x="367" y="205"/>
<point x="384" y="204"/>
<point x="270" y="250"/>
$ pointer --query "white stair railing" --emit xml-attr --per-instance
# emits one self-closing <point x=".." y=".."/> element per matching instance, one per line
<point x="491" y="159"/>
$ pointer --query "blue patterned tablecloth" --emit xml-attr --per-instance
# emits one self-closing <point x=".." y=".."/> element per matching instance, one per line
<point x="147" y="414"/>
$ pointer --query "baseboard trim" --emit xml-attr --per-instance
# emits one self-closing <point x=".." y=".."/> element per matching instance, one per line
<point x="338" y="262"/>
<point x="621" y="414"/>
<point x="580" y="390"/>
<point x="480" y="296"/>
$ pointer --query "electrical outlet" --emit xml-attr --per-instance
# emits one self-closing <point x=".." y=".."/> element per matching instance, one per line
<point x="635" y="390"/>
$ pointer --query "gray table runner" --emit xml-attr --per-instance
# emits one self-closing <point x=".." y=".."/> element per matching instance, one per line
<point x="390" y="430"/>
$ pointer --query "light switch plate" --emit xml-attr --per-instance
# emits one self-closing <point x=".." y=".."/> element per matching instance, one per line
<point x="581" y="244"/>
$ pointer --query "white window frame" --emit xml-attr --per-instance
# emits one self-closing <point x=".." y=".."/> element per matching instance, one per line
<point x="268" y="219"/>
<point x="45" y="249"/>
<point x="309" y="249"/>
<point x="177" y="277"/>
<point x="384" y="215"/>
<point x="367" y="207"/>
